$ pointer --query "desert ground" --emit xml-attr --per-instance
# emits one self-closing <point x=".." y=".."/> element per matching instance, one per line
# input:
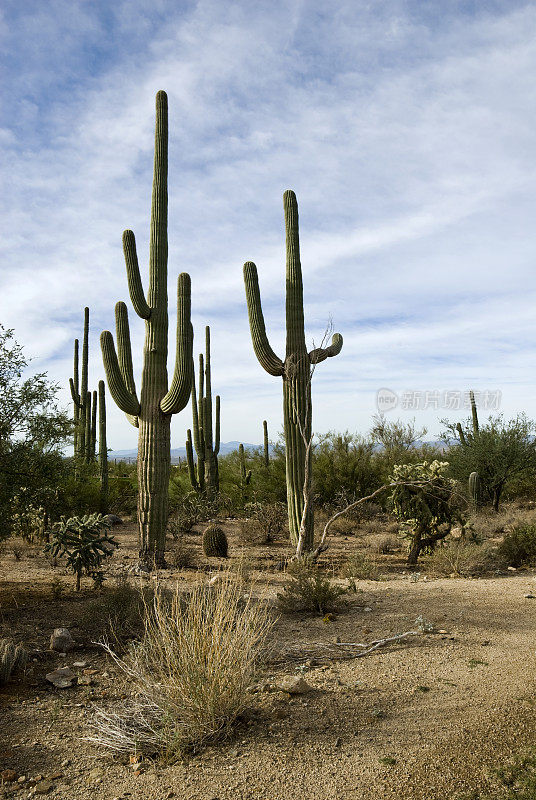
<point x="429" y="716"/>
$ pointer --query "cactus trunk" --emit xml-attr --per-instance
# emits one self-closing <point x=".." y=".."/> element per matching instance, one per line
<point x="103" y="451"/>
<point x="152" y="412"/>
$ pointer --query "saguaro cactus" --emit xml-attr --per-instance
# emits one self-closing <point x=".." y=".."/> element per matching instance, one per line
<point x="79" y="393"/>
<point x="474" y="413"/>
<point x="103" y="450"/>
<point x="475" y="488"/>
<point x="266" y="449"/>
<point x="206" y="445"/>
<point x="152" y="412"/>
<point x="296" y="373"/>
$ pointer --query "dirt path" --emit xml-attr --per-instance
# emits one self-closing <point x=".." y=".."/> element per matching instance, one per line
<point x="441" y="709"/>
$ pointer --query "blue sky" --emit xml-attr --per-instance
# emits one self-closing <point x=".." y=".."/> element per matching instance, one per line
<point x="405" y="128"/>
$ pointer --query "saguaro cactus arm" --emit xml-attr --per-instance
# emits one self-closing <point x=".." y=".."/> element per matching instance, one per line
<point x="474" y="413"/>
<point x="266" y="356"/>
<point x="321" y="353"/>
<point x="181" y="385"/>
<point x="124" y="399"/>
<point x="135" y="288"/>
<point x="74" y="394"/>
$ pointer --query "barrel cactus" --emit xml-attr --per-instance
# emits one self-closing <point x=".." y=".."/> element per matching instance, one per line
<point x="151" y="413"/>
<point x="215" y="542"/>
<point x="295" y="371"/>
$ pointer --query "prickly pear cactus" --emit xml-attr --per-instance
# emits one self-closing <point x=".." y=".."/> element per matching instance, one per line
<point x="215" y="542"/>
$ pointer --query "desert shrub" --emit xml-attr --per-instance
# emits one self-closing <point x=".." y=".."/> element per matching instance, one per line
<point x="12" y="656"/>
<point x="266" y="521"/>
<point x="518" y="547"/>
<point x="181" y="556"/>
<point x="188" y="687"/>
<point x="361" y="566"/>
<point x="84" y="541"/>
<point x="118" y="613"/>
<point x="384" y="543"/>
<point x="309" y="589"/>
<point x="186" y="514"/>
<point x="465" y="559"/>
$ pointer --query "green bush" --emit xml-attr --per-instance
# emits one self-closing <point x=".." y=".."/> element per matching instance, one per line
<point x="465" y="559"/>
<point x="309" y="589"/>
<point x="519" y="546"/>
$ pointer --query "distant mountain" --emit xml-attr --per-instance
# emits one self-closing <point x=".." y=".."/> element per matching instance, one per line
<point x="178" y="452"/>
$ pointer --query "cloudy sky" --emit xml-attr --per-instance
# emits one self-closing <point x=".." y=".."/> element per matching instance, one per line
<point x="407" y="130"/>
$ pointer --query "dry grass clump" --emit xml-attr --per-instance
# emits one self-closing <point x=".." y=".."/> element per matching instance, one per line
<point x="190" y="672"/>
<point x="118" y="613"/>
<point x="12" y="656"/>
<point x="465" y="559"/>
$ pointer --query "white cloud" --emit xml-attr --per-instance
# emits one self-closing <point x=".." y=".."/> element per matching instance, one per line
<point x="406" y="132"/>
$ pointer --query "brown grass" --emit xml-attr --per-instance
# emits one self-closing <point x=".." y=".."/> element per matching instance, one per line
<point x="190" y="672"/>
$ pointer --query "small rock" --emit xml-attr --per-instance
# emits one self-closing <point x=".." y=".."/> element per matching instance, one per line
<point x="61" y="678"/>
<point x="21" y="779"/>
<point x="512" y="569"/>
<point x="85" y="680"/>
<point x="80" y="664"/>
<point x="66" y="762"/>
<point x="294" y="685"/>
<point x="530" y="596"/>
<point x="8" y="775"/>
<point x="61" y="640"/>
<point x="338" y="741"/>
<point x="44" y="787"/>
<point x="367" y="608"/>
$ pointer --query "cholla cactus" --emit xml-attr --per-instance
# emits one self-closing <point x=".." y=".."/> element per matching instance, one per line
<point x="424" y="502"/>
<point x="296" y="373"/>
<point x="152" y="411"/>
<point x="84" y="541"/>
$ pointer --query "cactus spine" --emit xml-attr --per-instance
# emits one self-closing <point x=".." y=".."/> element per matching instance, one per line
<point x="206" y="445"/>
<point x="296" y="374"/>
<point x="266" y="449"/>
<point x="103" y="450"/>
<point x="152" y="412"/>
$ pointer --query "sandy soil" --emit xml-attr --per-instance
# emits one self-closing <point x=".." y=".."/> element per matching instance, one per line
<point x="425" y="718"/>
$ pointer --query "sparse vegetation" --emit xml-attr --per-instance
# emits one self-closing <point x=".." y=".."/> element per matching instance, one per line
<point x="309" y="589"/>
<point x="188" y="687"/>
<point x="518" y="547"/>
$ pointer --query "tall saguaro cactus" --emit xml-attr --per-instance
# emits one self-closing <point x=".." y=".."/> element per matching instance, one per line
<point x="296" y="372"/>
<point x="151" y="413"/>
<point x="207" y="445"/>
<point x="103" y="450"/>
<point x="79" y="393"/>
